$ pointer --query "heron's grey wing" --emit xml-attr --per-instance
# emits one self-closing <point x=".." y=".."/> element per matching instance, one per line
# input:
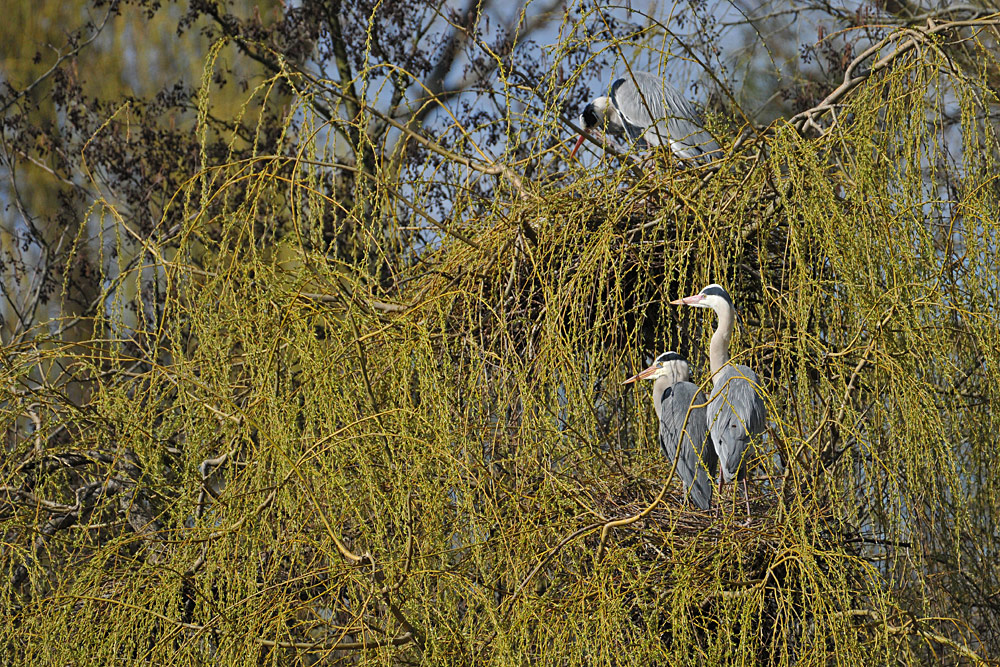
<point x="709" y="457"/>
<point x="686" y="128"/>
<point x="624" y="99"/>
<point x="683" y="424"/>
<point x="736" y="416"/>
<point x="665" y="116"/>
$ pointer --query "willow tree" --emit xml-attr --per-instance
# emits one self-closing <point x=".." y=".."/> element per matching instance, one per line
<point x="375" y="415"/>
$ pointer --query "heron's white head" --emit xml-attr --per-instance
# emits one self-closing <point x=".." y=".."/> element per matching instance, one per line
<point x="713" y="296"/>
<point x="595" y="114"/>
<point x="669" y="364"/>
<point x="594" y="117"/>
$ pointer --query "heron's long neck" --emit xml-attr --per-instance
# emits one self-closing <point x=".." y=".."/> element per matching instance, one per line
<point x="677" y="372"/>
<point x="661" y="384"/>
<point x="718" y="351"/>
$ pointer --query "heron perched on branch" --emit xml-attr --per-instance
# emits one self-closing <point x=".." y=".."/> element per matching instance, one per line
<point x="680" y="409"/>
<point x="736" y="413"/>
<point x="650" y="112"/>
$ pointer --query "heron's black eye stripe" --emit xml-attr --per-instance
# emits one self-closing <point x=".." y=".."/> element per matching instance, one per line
<point x="715" y="290"/>
<point x="590" y="118"/>
<point x="668" y="356"/>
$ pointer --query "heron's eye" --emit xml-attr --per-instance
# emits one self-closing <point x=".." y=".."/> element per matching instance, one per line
<point x="659" y="364"/>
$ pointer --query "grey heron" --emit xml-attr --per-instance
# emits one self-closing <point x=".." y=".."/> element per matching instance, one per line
<point x="736" y="413"/>
<point x="650" y="112"/>
<point x="680" y="409"/>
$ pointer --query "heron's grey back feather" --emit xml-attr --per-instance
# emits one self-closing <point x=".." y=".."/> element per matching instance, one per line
<point x="653" y="113"/>
<point x="736" y="417"/>
<point x="697" y="462"/>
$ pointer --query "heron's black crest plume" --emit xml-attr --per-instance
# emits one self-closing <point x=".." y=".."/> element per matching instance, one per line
<point x="718" y="290"/>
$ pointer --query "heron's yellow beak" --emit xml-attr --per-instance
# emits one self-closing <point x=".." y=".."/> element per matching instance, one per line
<point x="641" y="376"/>
<point x="579" y="142"/>
<point x="692" y="300"/>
